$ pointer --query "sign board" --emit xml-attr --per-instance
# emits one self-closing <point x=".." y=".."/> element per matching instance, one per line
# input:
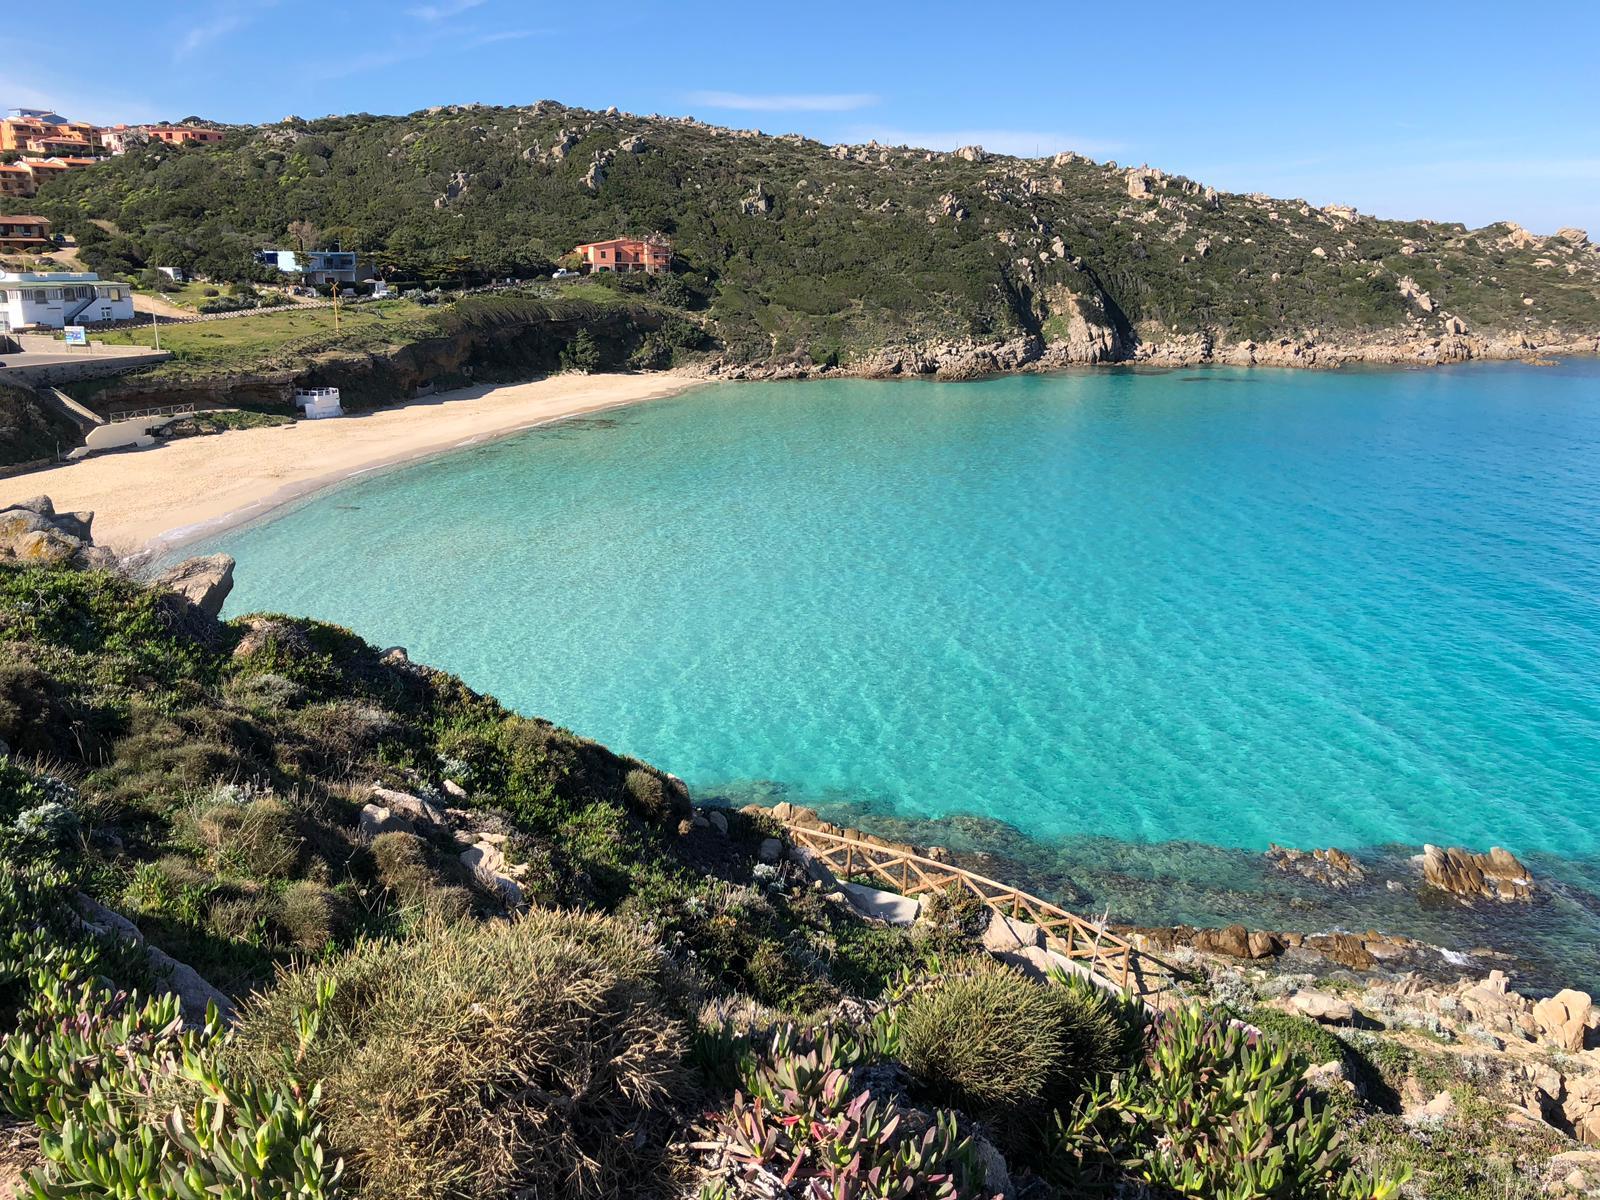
<point x="77" y="335"/>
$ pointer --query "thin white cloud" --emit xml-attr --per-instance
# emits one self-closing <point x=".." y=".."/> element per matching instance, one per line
<point x="422" y="44"/>
<point x="374" y="60"/>
<point x="230" y="19"/>
<point x="799" y="102"/>
<point x="444" y="10"/>
<point x="1024" y="143"/>
<point x="505" y="35"/>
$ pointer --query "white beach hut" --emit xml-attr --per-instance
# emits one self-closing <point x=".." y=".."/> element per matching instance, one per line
<point x="319" y="402"/>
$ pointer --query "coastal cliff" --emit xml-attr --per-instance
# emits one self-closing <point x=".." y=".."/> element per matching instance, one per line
<point x="476" y="340"/>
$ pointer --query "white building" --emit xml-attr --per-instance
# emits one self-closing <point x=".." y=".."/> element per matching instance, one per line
<point x="317" y="403"/>
<point x="54" y="299"/>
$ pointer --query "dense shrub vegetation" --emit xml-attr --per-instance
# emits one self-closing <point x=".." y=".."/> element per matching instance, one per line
<point x="794" y="248"/>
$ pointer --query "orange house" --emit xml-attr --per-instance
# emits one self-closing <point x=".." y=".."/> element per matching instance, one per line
<point x="23" y="233"/>
<point x="59" y="143"/>
<point x="652" y="255"/>
<point x="15" y="180"/>
<point x="184" y="135"/>
<point x="17" y="132"/>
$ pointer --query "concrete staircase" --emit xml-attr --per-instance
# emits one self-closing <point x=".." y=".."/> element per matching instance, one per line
<point x="84" y="418"/>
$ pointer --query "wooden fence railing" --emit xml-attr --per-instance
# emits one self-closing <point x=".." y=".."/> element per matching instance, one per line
<point x="1091" y="945"/>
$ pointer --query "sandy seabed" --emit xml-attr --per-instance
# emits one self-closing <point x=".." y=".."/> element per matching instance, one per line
<point x="189" y="488"/>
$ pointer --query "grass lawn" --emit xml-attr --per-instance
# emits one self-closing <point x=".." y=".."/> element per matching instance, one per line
<point x="238" y="341"/>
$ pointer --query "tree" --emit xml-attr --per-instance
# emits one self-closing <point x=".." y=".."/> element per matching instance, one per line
<point x="305" y="235"/>
<point x="582" y="353"/>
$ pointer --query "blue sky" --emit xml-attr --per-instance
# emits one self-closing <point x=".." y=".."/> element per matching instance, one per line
<point x="1470" y="111"/>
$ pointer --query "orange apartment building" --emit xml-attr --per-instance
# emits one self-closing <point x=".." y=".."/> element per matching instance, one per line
<point x="39" y="135"/>
<point x="184" y="135"/>
<point x="652" y="255"/>
<point x="15" y="180"/>
<point x="23" y="233"/>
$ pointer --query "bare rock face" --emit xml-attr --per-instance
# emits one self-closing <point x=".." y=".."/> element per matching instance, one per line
<point x="1564" y="1019"/>
<point x="195" y="994"/>
<point x="1234" y="941"/>
<point x="758" y="203"/>
<point x="596" y="174"/>
<point x="203" y="582"/>
<point x="974" y="154"/>
<point x="1497" y="875"/>
<point x="1331" y="867"/>
<point x="487" y="863"/>
<point x="1323" y="1007"/>
<point x="35" y="532"/>
<point x="947" y="206"/>
<point x="1581" y="1108"/>
<point x="1006" y="935"/>
<point x="1410" y="290"/>
<point x="1141" y="182"/>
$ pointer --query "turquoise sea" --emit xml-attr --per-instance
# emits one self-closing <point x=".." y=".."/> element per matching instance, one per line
<point x="1099" y="612"/>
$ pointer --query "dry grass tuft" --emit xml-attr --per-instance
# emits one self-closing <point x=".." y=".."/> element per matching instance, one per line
<point x="527" y="1058"/>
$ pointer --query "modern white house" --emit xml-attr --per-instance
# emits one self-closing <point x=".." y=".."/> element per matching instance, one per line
<point x="55" y="299"/>
<point x="315" y="266"/>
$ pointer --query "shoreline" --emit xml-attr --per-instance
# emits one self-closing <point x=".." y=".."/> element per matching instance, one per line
<point x="1374" y="910"/>
<point x="970" y="360"/>
<point x="163" y="497"/>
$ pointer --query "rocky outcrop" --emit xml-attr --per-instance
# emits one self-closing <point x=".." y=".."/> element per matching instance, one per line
<point x="195" y="994"/>
<point x="1331" y="867"/>
<point x="1497" y="875"/>
<point x="33" y="532"/>
<point x="947" y="206"/>
<point x="1564" y="1019"/>
<point x="596" y="174"/>
<point x="1369" y="951"/>
<point x="1410" y="290"/>
<point x="203" y="583"/>
<point x="966" y="359"/>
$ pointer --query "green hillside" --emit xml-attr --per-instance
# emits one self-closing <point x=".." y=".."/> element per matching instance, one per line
<point x="796" y="248"/>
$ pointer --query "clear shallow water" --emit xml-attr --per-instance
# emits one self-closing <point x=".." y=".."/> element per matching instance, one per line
<point x="1234" y="607"/>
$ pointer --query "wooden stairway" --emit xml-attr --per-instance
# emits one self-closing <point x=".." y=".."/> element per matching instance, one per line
<point x="1087" y="944"/>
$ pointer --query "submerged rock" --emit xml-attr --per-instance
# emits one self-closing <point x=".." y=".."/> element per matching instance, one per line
<point x="1331" y="867"/>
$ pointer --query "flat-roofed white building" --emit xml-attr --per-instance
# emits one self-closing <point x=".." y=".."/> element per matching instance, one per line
<point x="55" y="299"/>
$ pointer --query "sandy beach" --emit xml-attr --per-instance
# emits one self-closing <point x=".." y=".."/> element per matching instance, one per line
<point x="189" y="488"/>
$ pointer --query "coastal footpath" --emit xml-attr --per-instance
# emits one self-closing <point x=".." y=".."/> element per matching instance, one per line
<point x="435" y="900"/>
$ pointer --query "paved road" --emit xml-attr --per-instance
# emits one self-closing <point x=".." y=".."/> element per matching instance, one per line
<point x="92" y="361"/>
